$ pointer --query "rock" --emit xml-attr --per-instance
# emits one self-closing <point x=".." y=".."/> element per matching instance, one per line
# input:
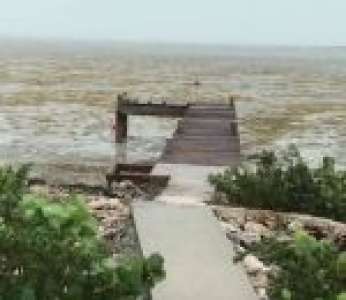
<point x="110" y="221"/>
<point x="126" y="184"/>
<point x="272" y="223"/>
<point x="239" y="250"/>
<point x="295" y="226"/>
<point x="232" y="232"/>
<point x="126" y="191"/>
<point x="239" y="253"/>
<point x="229" y="227"/>
<point x="110" y="233"/>
<point x="321" y="228"/>
<point x="101" y="214"/>
<point x="262" y="293"/>
<point x="125" y="212"/>
<point x="103" y="204"/>
<point x="128" y="198"/>
<point x="114" y="203"/>
<point x="231" y="214"/>
<point x="252" y="264"/>
<point x="40" y="190"/>
<point x="260" y="280"/>
<point x="98" y="204"/>
<point x="256" y="228"/>
<point x="248" y="239"/>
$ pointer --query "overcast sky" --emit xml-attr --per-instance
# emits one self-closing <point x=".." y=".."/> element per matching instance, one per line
<point x="288" y="22"/>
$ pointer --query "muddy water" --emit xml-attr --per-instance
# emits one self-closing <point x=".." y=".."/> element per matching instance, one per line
<point x="57" y="99"/>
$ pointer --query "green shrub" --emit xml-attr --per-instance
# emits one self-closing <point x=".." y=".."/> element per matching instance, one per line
<point x="51" y="250"/>
<point x="286" y="183"/>
<point x="309" y="269"/>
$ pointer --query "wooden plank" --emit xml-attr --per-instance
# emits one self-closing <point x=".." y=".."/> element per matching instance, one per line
<point x="222" y="134"/>
<point x="202" y="162"/>
<point x="158" y="110"/>
<point x="203" y="139"/>
<point x="201" y="155"/>
<point x="142" y="168"/>
<point x="211" y="115"/>
<point x="207" y="135"/>
<point x="203" y="122"/>
<point x="202" y="148"/>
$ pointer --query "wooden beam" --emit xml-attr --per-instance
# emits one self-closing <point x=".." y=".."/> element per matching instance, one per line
<point x="234" y="128"/>
<point x="121" y="121"/>
<point x="138" y="178"/>
<point x="231" y="102"/>
<point x="139" y="168"/>
<point x="152" y="109"/>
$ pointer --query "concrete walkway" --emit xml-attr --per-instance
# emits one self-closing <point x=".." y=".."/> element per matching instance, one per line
<point x="188" y="185"/>
<point x="198" y="257"/>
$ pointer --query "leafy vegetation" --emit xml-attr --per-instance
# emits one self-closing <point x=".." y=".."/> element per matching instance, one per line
<point x="286" y="183"/>
<point x="308" y="269"/>
<point x="51" y="250"/>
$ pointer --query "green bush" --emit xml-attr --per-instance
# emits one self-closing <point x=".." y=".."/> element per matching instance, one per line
<point x="308" y="269"/>
<point x="51" y="250"/>
<point x="286" y="183"/>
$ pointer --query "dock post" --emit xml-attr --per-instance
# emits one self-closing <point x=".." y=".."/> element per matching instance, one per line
<point x="234" y="128"/>
<point x="121" y="120"/>
<point x="234" y="123"/>
<point x="231" y="102"/>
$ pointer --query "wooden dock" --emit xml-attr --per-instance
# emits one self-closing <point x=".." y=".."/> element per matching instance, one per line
<point x="207" y="134"/>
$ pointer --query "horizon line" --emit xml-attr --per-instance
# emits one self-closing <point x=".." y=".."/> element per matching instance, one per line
<point x="160" y="42"/>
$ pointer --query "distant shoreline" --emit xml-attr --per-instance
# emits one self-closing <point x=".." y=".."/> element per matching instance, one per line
<point x="159" y="43"/>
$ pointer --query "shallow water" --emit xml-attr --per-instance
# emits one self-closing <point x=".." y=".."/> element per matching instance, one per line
<point x="57" y="99"/>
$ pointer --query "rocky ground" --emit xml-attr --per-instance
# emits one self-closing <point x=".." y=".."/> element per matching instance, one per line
<point x="246" y="227"/>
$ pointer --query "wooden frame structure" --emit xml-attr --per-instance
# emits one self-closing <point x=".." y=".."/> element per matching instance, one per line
<point x="129" y="107"/>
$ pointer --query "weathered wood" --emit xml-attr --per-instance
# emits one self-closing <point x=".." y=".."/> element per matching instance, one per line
<point x="142" y="168"/>
<point x="231" y="102"/>
<point x="208" y="134"/>
<point x="121" y="127"/>
<point x="234" y="128"/>
<point x="136" y="173"/>
<point x="216" y="148"/>
<point x="139" y="178"/>
<point x="121" y="121"/>
<point x="201" y="139"/>
<point x="217" y="115"/>
<point x="150" y="109"/>
<point x="194" y="160"/>
<point x="204" y="123"/>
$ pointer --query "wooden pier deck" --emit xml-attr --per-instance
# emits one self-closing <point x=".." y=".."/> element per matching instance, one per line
<point x="207" y="134"/>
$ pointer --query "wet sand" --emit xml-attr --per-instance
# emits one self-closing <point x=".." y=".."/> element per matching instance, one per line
<point x="57" y="99"/>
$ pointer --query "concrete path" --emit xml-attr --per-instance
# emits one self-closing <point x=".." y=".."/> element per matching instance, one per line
<point x="188" y="185"/>
<point x="198" y="258"/>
